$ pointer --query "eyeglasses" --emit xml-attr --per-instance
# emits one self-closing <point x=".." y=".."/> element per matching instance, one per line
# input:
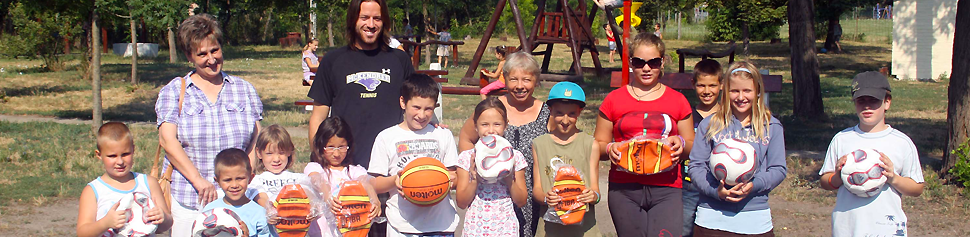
<point x="332" y="149"/>
<point x="654" y="63"/>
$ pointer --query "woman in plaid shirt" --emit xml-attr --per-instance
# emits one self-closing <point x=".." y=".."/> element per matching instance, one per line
<point x="218" y="112"/>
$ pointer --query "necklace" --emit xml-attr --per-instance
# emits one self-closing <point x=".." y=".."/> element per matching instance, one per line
<point x="651" y="91"/>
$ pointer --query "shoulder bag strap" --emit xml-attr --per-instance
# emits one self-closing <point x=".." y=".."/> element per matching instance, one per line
<point x="167" y="176"/>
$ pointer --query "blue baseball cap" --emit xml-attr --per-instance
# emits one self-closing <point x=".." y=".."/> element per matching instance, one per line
<point x="567" y="91"/>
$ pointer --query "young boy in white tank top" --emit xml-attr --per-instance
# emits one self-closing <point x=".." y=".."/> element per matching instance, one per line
<point x="97" y="212"/>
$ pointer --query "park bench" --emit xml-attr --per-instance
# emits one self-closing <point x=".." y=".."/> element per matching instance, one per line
<point x="681" y="80"/>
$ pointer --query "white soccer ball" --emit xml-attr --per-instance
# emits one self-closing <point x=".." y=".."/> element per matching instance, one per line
<point x="493" y="158"/>
<point x="218" y="222"/>
<point x="733" y="161"/>
<point x="135" y="206"/>
<point x="861" y="174"/>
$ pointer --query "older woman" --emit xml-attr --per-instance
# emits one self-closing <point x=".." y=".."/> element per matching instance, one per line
<point x="528" y="119"/>
<point x="218" y="112"/>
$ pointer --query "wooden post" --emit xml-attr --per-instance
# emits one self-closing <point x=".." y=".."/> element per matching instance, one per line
<point x="625" y="54"/>
<point x="578" y="68"/>
<point x="519" y="27"/>
<point x="468" y="78"/>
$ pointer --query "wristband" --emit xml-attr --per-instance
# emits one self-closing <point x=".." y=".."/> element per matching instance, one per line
<point x="830" y="181"/>
<point x="597" y="197"/>
<point x="682" y="141"/>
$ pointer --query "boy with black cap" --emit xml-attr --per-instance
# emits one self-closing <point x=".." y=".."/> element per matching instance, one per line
<point x="881" y="214"/>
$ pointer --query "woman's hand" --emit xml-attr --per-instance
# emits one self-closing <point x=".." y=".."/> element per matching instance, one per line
<point x="734" y="194"/>
<point x="614" y="153"/>
<point x="552" y="198"/>
<point x="207" y="191"/>
<point x="676" y="147"/>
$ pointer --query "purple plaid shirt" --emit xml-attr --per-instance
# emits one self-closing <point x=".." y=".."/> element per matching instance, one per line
<point x="206" y="128"/>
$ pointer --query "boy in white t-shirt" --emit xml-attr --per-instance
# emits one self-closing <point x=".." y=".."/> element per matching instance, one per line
<point x="413" y="138"/>
<point x="881" y="214"/>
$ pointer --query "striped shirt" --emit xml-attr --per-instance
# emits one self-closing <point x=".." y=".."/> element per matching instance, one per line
<point x="206" y="128"/>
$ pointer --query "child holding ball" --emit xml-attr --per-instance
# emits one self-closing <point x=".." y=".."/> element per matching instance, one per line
<point x="881" y="214"/>
<point x="566" y="102"/>
<point x="97" y="212"/>
<point x="490" y="210"/>
<point x="330" y="162"/>
<point x="741" y="209"/>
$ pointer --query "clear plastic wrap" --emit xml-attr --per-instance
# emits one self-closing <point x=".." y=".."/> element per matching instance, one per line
<point x="649" y="152"/>
<point x="293" y="201"/>
<point x="568" y="183"/>
<point x="356" y="198"/>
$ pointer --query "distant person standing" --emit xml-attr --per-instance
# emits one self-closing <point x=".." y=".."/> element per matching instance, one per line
<point x="408" y="30"/>
<point x="443" y="50"/>
<point x="657" y="31"/>
<point x="611" y="40"/>
<point x="838" y="37"/>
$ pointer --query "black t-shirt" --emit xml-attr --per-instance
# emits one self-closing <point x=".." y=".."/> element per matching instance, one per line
<point x="363" y="87"/>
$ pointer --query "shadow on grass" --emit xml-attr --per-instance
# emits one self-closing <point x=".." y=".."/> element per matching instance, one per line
<point x="43" y="89"/>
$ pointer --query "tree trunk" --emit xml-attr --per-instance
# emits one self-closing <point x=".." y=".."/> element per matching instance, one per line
<point x="96" y="110"/>
<point x="958" y="108"/>
<point x="330" y="27"/>
<point x="173" y="55"/>
<point x="134" y="52"/>
<point x="427" y="23"/>
<point x="830" y="35"/>
<point x="678" y="25"/>
<point x="267" y="34"/>
<point x="804" y="63"/>
<point x="746" y="35"/>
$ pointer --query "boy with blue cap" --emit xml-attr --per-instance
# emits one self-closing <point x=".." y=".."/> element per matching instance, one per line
<point x="565" y="145"/>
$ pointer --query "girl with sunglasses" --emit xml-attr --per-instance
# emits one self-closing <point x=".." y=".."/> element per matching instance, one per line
<point x="645" y="205"/>
<point x="742" y="209"/>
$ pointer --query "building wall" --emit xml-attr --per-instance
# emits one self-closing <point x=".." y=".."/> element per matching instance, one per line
<point x="923" y="38"/>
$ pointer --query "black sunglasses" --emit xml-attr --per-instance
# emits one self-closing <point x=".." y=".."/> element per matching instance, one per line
<point x="639" y="62"/>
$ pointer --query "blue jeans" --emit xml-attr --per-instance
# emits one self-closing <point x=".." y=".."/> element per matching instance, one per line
<point x="691" y="195"/>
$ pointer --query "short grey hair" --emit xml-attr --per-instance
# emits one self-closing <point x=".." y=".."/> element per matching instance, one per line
<point x="521" y="61"/>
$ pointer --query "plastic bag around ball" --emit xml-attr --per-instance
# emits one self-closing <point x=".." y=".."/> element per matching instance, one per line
<point x="568" y="183"/>
<point x="645" y="155"/>
<point x="297" y="205"/>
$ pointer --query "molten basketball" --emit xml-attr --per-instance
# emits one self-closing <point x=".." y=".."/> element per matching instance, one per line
<point x="353" y="219"/>
<point x="569" y="185"/>
<point x="293" y="207"/>
<point x="645" y="157"/>
<point x="425" y="181"/>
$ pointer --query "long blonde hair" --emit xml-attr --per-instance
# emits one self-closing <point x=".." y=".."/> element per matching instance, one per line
<point x="760" y="115"/>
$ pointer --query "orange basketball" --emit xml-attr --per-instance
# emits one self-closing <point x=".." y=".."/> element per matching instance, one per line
<point x="353" y="218"/>
<point x="645" y="157"/>
<point x="569" y="185"/>
<point x="425" y="181"/>
<point x="292" y="206"/>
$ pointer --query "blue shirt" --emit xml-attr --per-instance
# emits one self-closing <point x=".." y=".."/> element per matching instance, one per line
<point x="251" y="213"/>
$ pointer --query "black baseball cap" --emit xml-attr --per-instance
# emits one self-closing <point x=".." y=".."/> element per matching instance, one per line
<point x="870" y="83"/>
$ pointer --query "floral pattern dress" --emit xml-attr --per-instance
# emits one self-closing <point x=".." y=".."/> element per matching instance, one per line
<point x="492" y="213"/>
<point x="521" y="138"/>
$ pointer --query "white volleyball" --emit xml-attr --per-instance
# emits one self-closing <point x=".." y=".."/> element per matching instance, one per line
<point x="135" y="205"/>
<point x="733" y="161"/>
<point x="493" y="158"/>
<point x="218" y="222"/>
<point x="861" y="174"/>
